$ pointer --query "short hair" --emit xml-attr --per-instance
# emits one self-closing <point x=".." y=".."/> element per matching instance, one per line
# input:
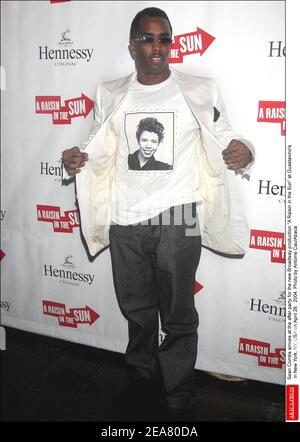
<point x="147" y="12"/>
<point x="150" y="125"/>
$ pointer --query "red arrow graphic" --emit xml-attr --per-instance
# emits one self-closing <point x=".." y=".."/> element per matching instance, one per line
<point x="262" y="350"/>
<point x="75" y="316"/>
<point x="61" y="223"/>
<point x="84" y="315"/>
<point x="197" y="287"/>
<point x="272" y="241"/>
<point x="190" y="43"/>
<point x="272" y="112"/>
<point x="62" y="114"/>
<point x="80" y="106"/>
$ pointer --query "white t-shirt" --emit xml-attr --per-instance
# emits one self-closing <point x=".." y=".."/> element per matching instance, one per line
<point x="156" y="153"/>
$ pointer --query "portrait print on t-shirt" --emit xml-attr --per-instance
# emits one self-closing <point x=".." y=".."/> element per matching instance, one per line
<point x="150" y="140"/>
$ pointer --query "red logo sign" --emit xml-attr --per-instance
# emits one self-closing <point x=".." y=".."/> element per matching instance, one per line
<point x="2" y="254"/>
<point x="195" y="42"/>
<point x="61" y="223"/>
<point x="272" y="112"/>
<point x="197" y="287"/>
<point x="292" y="402"/>
<point x="70" y="319"/>
<point x="59" y="1"/>
<point x="273" y="241"/>
<point x="75" y="107"/>
<point x="262" y="350"/>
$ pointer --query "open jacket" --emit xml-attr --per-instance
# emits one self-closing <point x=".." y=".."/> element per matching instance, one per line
<point x="225" y="229"/>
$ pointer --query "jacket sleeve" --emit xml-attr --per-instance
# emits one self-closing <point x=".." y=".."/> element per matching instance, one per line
<point x="224" y="132"/>
<point x="98" y="117"/>
<point x="97" y="123"/>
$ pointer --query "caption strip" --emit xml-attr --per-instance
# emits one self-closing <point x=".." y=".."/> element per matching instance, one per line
<point x="292" y="303"/>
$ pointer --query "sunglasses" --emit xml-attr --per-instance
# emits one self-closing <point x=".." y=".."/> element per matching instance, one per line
<point x="145" y="39"/>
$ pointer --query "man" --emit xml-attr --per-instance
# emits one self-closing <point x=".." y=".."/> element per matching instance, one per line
<point x="149" y="134"/>
<point x="154" y="262"/>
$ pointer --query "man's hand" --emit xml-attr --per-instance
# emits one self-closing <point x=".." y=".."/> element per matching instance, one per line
<point x="73" y="160"/>
<point x="237" y="155"/>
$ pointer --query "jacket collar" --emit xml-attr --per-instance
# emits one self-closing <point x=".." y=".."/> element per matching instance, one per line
<point x="115" y="92"/>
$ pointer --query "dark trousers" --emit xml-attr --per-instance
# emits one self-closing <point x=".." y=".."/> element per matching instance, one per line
<point x="154" y="273"/>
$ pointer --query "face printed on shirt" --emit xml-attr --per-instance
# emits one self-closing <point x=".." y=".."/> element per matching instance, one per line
<point x="150" y="140"/>
<point x="148" y="143"/>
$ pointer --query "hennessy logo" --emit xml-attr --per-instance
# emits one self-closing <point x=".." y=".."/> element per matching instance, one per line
<point x="257" y="305"/>
<point x="67" y="262"/>
<point x="65" y="38"/>
<point x="271" y="190"/>
<point x="66" y="273"/>
<point x="281" y="298"/>
<point x="47" y="169"/>
<point x="66" y="55"/>
<point x="277" y="49"/>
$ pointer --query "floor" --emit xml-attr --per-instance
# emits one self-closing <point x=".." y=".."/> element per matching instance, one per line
<point x="46" y="379"/>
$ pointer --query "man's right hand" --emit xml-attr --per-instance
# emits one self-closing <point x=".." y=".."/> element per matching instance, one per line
<point x="73" y="160"/>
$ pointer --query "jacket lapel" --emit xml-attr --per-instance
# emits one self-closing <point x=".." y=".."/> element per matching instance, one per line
<point x="115" y="93"/>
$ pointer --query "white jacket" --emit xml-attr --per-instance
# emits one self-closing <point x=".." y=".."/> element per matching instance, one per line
<point x="225" y="229"/>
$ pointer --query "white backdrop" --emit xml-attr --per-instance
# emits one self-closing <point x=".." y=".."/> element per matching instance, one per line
<point x="53" y="56"/>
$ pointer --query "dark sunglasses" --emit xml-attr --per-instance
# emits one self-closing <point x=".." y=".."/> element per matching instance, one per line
<point x="145" y="39"/>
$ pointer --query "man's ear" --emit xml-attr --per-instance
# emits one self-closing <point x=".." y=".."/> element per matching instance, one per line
<point x="131" y="48"/>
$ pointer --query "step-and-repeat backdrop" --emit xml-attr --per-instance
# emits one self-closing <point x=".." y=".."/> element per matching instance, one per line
<point x="54" y="54"/>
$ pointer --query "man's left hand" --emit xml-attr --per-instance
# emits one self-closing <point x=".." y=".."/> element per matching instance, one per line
<point x="237" y="155"/>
